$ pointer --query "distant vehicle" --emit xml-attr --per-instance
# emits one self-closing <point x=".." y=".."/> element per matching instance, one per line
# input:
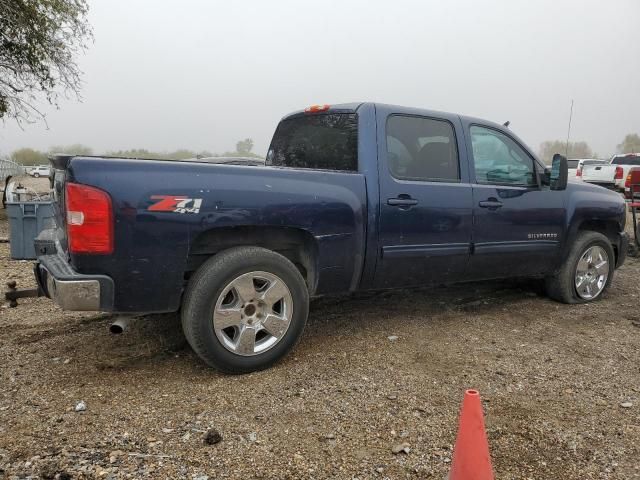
<point x="613" y="174"/>
<point x="632" y="183"/>
<point x="250" y="161"/>
<point x="625" y="161"/>
<point x="601" y="173"/>
<point x="577" y="164"/>
<point x="572" y="163"/>
<point x="40" y="171"/>
<point x="352" y="197"/>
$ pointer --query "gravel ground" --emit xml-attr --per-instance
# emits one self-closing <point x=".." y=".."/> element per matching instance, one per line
<point x="560" y="386"/>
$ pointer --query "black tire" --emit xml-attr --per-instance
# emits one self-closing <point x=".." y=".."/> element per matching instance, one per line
<point x="561" y="286"/>
<point x="207" y="284"/>
<point x="36" y="174"/>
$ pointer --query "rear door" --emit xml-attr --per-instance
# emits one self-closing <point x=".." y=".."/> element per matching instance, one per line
<point x="425" y="199"/>
<point x="517" y="223"/>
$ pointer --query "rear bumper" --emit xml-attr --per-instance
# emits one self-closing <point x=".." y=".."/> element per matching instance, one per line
<point x="606" y="184"/>
<point x="68" y="288"/>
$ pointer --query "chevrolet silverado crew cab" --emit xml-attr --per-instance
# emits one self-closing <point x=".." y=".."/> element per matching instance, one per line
<point x="353" y="197"/>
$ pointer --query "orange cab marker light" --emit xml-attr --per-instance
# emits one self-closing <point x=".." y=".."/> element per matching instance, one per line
<point x="317" y="108"/>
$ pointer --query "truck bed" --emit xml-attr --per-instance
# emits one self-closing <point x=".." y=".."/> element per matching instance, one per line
<point x="327" y="207"/>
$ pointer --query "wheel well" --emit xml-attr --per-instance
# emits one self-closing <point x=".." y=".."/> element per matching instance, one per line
<point x="608" y="229"/>
<point x="297" y="245"/>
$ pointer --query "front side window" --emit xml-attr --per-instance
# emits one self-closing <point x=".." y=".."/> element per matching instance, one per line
<point x="422" y="149"/>
<point x="500" y="160"/>
<point x="324" y="142"/>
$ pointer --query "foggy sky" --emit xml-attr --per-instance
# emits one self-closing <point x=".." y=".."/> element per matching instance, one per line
<point x="203" y="74"/>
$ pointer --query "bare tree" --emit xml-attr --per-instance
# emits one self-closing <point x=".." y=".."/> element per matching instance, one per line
<point x="630" y="144"/>
<point x="245" y="146"/>
<point x="39" y="40"/>
<point x="574" y="150"/>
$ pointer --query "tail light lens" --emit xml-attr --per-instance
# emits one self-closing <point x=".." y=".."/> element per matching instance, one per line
<point x="89" y="219"/>
<point x="579" y="172"/>
<point x="619" y="173"/>
<point x="627" y="182"/>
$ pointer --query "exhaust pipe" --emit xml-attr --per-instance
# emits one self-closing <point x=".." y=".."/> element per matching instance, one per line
<point x="119" y="326"/>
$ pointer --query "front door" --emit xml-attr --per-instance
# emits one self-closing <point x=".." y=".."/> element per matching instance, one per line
<point x="517" y="223"/>
<point x="425" y="201"/>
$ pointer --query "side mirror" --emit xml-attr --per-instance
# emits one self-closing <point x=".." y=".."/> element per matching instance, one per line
<point x="559" y="173"/>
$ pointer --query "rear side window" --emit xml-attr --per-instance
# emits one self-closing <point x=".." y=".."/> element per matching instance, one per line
<point x="422" y="149"/>
<point x="324" y="142"/>
<point x="626" y="160"/>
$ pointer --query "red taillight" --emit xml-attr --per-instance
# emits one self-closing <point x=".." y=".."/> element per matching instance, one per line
<point x="579" y="172"/>
<point x="317" y="108"/>
<point x="619" y="173"/>
<point x="627" y="182"/>
<point x="89" y="219"/>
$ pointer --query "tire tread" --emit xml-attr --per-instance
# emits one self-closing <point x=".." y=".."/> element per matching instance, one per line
<point x="198" y="300"/>
<point x="560" y="287"/>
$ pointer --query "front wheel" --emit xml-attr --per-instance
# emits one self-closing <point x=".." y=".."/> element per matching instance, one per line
<point x="36" y="174"/>
<point x="244" y="309"/>
<point x="587" y="271"/>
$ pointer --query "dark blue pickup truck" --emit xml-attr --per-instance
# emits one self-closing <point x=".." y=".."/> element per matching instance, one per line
<point x="352" y="197"/>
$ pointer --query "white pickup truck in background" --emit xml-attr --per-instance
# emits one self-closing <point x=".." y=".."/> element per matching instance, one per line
<point x="577" y="164"/>
<point x="612" y="174"/>
<point x="603" y="174"/>
<point x="626" y="161"/>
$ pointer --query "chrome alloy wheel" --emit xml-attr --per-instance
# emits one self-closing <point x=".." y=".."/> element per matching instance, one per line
<point x="253" y="313"/>
<point x="592" y="272"/>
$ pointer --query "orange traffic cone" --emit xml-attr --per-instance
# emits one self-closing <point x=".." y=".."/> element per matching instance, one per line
<point x="471" y="460"/>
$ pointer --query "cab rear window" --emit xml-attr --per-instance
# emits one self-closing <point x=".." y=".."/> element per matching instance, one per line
<point x="323" y="142"/>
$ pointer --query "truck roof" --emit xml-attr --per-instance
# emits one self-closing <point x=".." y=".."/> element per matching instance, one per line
<point x="354" y="106"/>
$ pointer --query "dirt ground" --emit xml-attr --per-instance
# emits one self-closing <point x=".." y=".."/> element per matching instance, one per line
<point x="552" y="377"/>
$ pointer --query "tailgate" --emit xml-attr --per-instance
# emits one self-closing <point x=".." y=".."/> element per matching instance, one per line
<point x="599" y="173"/>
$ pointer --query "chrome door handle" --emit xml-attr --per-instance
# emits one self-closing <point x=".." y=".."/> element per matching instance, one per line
<point x="402" y="202"/>
<point x="490" y="204"/>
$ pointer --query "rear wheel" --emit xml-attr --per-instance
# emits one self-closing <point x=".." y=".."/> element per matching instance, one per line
<point x="587" y="271"/>
<point x="244" y="309"/>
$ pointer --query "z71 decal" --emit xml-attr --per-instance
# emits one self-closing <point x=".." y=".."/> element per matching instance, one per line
<point x="175" y="203"/>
